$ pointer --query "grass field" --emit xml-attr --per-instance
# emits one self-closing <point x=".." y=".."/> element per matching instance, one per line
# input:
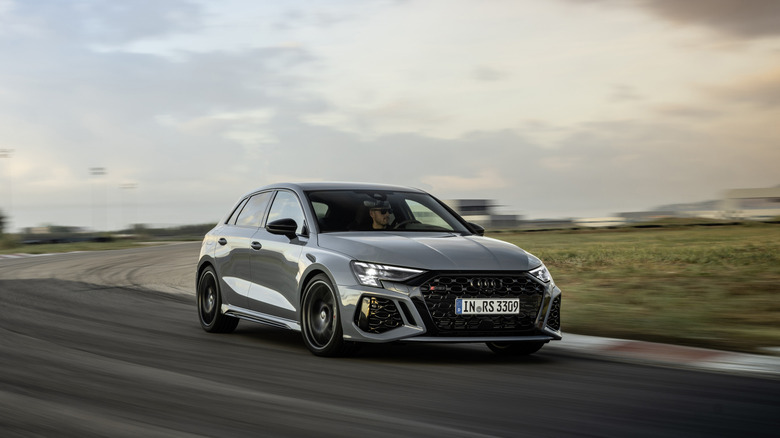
<point x="707" y="286"/>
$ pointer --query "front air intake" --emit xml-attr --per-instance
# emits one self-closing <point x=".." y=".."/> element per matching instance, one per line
<point x="378" y="315"/>
<point x="554" y="320"/>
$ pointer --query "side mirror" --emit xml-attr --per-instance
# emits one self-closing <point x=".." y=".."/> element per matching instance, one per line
<point x="479" y="230"/>
<point x="284" y="227"/>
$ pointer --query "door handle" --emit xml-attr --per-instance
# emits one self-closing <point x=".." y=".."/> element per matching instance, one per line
<point x="222" y="241"/>
<point x="256" y="245"/>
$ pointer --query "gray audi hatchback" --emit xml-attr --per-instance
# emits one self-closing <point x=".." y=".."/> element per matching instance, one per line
<point x="349" y="263"/>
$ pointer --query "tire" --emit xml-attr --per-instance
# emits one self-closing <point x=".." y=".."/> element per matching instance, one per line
<point x="321" y="321"/>
<point x="209" y="300"/>
<point x="515" y="348"/>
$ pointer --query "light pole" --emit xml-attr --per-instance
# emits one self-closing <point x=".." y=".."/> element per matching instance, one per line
<point x="128" y="187"/>
<point x="95" y="172"/>
<point x="8" y="153"/>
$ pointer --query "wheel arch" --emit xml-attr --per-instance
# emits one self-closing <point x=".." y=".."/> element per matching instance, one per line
<point x="202" y="266"/>
<point x="312" y="272"/>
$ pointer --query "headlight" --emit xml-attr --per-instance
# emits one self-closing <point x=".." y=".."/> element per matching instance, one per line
<point x="371" y="274"/>
<point x="542" y="274"/>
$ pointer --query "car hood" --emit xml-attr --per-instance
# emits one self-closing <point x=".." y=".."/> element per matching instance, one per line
<point x="430" y="251"/>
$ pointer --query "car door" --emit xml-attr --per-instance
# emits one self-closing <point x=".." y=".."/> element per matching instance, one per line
<point x="275" y="261"/>
<point x="234" y="249"/>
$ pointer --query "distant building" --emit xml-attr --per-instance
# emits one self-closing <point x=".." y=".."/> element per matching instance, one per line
<point x="736" y="204"/>
<point x="473" y="207"/>
<point x="753" y="204"/>
<point x="505" y="220"/>
<point x="481" y="211"/>
<point x="741" y="204"/>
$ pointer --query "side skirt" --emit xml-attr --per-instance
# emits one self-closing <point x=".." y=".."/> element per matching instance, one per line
<point x="261" y="318"/>
<point x="467" y="339"/>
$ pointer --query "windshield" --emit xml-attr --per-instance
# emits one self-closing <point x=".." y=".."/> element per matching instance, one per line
<point x="358" y="210"/>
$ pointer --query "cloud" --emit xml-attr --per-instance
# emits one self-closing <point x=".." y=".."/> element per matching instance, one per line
<point x="740" y="18"/>
<point x="548" y="122"/>
<point x="487" y="74"/>
<point x="761" y="90"/>
<point x="682" y="111"/>
<point x="743" y="19"/>
<point x="101" y="21"/>
<point x="485" y="179"/>
<point x="623" y="93"/>
<point x="598" y="168"/>
<point x="391" y="116"/>
<point x="182" y="129"/>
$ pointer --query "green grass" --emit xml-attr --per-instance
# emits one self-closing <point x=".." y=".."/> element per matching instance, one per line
<point x="708" y="286"/>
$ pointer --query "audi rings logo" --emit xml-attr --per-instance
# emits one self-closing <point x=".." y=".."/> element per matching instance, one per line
<point x="485" y="283"/>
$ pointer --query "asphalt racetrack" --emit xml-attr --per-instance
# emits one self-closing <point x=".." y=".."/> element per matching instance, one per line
<point x="108" y="344"/>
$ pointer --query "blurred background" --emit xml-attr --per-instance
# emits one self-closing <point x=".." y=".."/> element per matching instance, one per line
<point x="114" y="114"/>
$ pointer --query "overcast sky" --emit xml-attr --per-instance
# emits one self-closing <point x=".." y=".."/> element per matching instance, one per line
<point x="553" y="108"/>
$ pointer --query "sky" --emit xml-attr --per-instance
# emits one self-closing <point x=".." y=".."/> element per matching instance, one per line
<point x="552" y="108"/>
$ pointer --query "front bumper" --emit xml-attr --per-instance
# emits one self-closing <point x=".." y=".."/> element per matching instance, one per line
<point x="424" y="311"/>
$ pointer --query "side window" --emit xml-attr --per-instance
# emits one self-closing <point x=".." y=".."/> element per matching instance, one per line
<point x="234" y="216"/>
<point x="252" y="214"/>
<point x="285" y="206"/>
<point x="425" y="215"/>
<point x="320" y="209"/>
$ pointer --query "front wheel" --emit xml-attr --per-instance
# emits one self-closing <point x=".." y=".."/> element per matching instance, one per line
<point x="515" y="348"/>
<point x="320" y="320"/>
<point x="209" y="304"/>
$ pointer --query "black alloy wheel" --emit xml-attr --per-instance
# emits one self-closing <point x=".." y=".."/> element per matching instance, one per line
<point x="320" y="320"/>
<point x="209" y="304"/>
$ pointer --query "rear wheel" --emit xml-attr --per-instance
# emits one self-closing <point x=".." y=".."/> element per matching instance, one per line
<point x="209" y="304"/>
<point x="515" y="348"/>
<point x="320" y="320"/>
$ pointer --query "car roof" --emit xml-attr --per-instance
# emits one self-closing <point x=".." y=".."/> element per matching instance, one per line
<point x="335" y="185"/>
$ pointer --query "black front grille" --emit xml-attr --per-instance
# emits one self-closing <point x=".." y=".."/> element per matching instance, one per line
<point x="554" y="320"/>
<point x="382" y="315"/>
<point x="441" y="291"/>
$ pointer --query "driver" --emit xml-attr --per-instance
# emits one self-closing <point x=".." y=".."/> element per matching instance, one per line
<point x="380" y="214"/>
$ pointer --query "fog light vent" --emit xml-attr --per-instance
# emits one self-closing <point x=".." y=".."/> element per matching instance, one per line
<point x="378" y="315"/>
<point x="554" y="320"/>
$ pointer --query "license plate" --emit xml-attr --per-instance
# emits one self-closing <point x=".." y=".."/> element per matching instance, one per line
<point x="487" y="306"/>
